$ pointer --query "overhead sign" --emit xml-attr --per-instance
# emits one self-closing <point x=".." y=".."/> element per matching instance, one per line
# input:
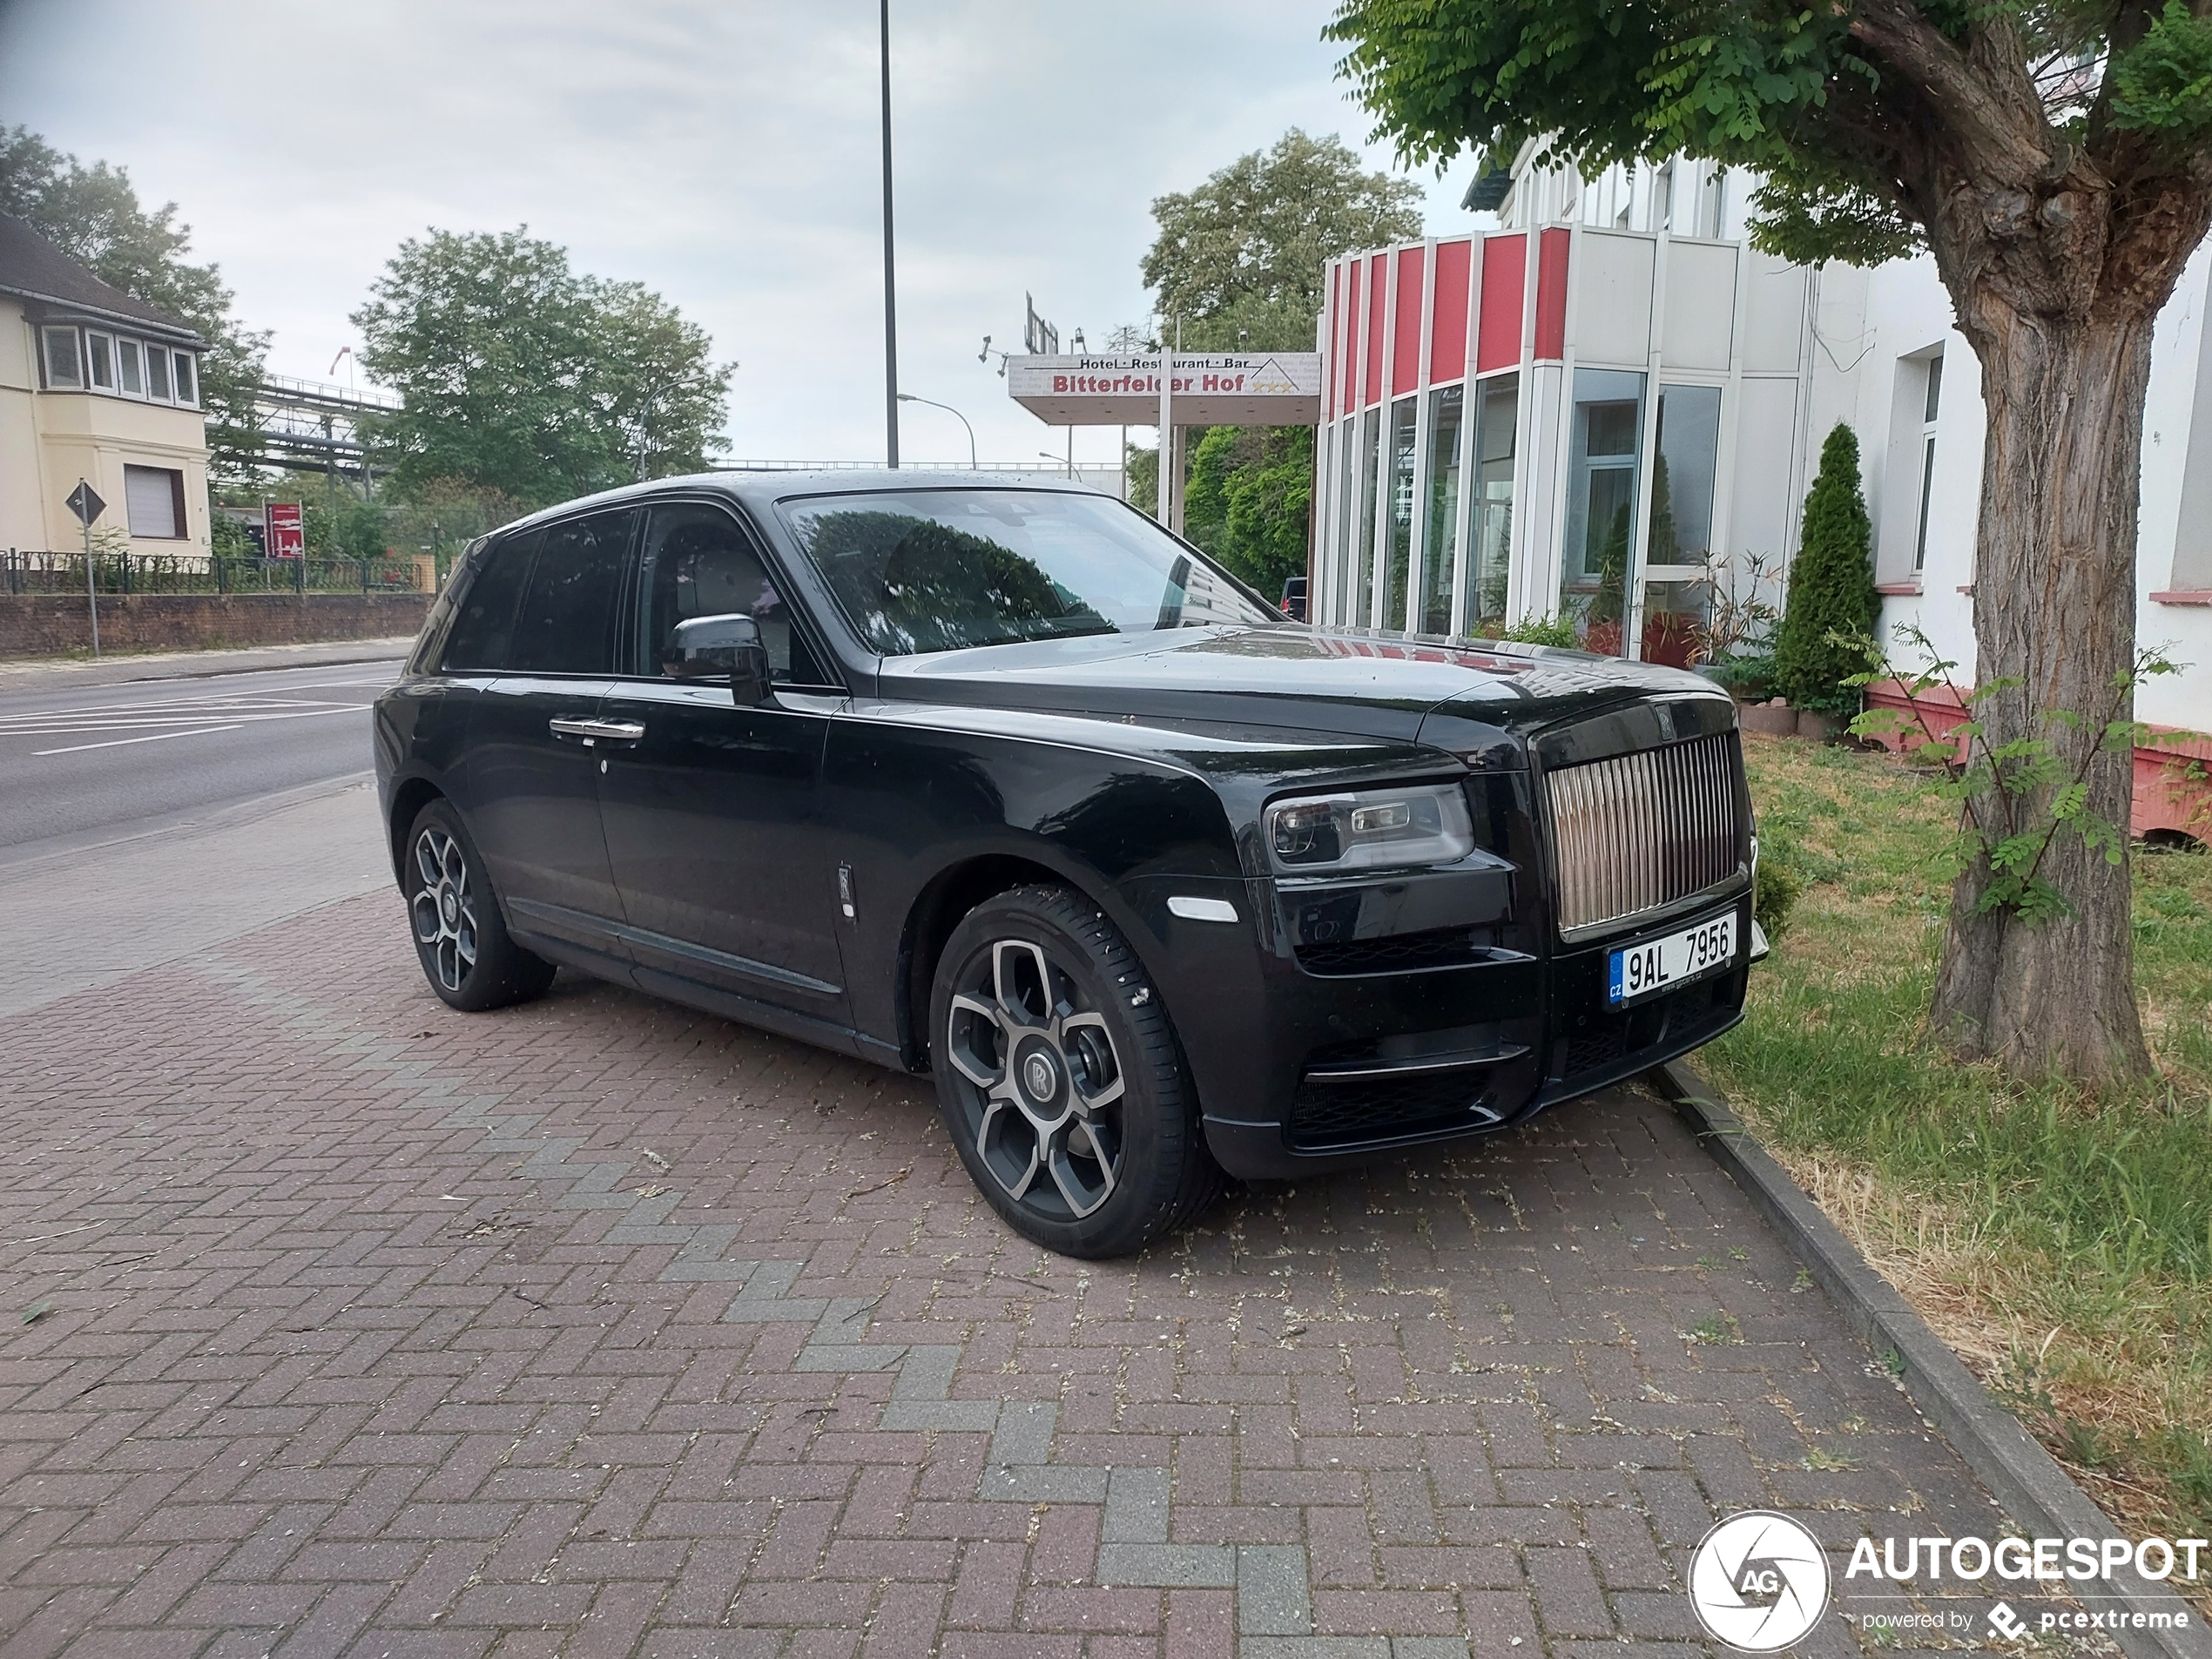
<point x="1037" y="334"/>
<point x="85" y="503"/>
<point x="284" y="537"/>
<point x="1220" y="388"/>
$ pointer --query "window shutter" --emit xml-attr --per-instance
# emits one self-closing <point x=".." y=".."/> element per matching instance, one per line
<point x="150" y="497"/>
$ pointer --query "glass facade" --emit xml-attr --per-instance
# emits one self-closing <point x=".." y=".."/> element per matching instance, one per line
<point x="1489" y="564"/>
<point x="1605" y="435"/>
<point x="1440" y="542"/>
<point x="1675" y="603"/>
<point x="1402" y="429"/>
<point x="1368" y="450"/>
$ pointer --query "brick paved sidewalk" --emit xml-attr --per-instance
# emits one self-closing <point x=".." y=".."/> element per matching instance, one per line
<point x="601" y="1327"/>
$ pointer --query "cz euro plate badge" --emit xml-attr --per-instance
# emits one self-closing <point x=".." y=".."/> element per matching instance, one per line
<point x="1660" y="964"/>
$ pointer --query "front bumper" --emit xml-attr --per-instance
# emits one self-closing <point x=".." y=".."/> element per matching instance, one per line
<point x="1307" y="1061"/>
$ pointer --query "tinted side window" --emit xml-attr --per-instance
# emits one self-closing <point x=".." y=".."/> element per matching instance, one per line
<point x="566" y="624"/>
<point x="700" y="562"/>
<point x="487" y="619"/>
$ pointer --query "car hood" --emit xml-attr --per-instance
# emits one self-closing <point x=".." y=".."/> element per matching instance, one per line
<point x="1463" y="696"/>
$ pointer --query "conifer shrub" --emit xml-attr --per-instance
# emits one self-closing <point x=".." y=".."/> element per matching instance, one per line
<point x="1831" y="587"/>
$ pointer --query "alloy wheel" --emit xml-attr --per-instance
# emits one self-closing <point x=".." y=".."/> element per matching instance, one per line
<point x="444" y="906"/>
<point x="1041" y="1087"/>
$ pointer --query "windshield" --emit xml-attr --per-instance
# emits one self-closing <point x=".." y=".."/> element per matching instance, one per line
<point x="943" y="569"/>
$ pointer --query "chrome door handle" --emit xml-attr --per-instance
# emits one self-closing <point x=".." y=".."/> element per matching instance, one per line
<point x="598" y="731"/>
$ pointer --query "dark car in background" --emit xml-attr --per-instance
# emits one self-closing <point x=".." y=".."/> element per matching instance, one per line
<point x="999" y="783"/>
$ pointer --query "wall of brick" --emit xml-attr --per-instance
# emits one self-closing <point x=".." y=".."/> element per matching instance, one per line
<point x="48" y="624"/>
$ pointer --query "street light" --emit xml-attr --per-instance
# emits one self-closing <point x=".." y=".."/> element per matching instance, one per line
<point x="890" y="284"/>
<point x="908" y="397"/>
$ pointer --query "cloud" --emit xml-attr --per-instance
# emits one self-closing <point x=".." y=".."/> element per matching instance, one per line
<point x="725" y="154"/>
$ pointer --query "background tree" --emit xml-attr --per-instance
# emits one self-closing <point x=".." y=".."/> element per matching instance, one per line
<point x="1236" y="267"/>
<point x="1831" y="599"/>
<point x="1241" y="254"/>
<point x="520" y="375"/>
<point x="94" y="215"/>
<point x="2055" y="156"/>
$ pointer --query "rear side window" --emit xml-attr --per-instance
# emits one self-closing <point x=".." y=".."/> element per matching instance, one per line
<point x="486" y="618"/>
<point x="566" y="624"/>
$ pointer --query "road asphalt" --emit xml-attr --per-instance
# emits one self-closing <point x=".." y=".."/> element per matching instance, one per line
<point x="89" y="754"/>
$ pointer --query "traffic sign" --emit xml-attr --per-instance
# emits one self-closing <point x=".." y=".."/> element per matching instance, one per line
<point x="85" y="503"/>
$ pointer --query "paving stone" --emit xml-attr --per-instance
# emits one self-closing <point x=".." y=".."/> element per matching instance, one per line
<point x="382" y="1328"/>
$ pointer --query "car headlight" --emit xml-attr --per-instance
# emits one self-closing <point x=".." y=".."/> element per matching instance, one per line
<point x="1370" y="829"/>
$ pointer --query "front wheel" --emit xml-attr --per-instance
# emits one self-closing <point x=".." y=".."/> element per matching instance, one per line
<point x="466" y="954"/>
<point x="1060" y="1079"/>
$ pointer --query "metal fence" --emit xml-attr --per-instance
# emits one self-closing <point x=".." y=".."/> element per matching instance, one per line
<point x="22" y="572"/>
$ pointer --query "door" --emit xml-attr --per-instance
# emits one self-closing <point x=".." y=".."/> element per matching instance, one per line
<point x="535" y="748"/>
<point x="710" y="814"/>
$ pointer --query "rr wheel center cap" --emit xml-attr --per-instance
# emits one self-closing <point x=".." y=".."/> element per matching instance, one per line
<point x="1040" y="1077"/>
<point x="449" y="907"/>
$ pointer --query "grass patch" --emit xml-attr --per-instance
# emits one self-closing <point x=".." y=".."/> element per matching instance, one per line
<point x="2062" y="1242"/>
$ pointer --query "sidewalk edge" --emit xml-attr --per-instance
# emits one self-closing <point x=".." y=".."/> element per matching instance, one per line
<point x="2026" y="1480"/>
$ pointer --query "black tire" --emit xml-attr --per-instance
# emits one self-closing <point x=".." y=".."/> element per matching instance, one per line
<point x="1061" y="1080"/>
<point x="460" y="935"/>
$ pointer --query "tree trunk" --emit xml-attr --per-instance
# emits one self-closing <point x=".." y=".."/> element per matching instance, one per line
<point x="2054" y="609"/>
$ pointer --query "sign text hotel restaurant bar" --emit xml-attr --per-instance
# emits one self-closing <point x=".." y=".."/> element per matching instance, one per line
<point x="1227" y="388"/>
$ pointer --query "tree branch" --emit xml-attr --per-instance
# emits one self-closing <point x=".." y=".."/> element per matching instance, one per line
<point x="1998" y="126"/>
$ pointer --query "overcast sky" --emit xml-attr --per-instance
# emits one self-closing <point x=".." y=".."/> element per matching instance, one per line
<point x="725" y="154"/>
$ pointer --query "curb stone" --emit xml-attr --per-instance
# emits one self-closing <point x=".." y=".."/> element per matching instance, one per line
<point x="2020" y="1475"/>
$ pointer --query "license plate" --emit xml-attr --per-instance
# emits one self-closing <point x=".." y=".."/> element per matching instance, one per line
<point x="1658" y="965"/>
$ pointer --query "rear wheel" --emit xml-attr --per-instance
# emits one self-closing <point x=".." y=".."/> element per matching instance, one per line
<point x="1060" y="1078"/>
<point x="462" y="939"/>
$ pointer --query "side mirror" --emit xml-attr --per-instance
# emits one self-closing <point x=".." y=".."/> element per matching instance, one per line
<point x="729" y="648"/>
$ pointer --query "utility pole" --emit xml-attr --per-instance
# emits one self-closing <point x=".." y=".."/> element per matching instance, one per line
<point x="890" y="280"/>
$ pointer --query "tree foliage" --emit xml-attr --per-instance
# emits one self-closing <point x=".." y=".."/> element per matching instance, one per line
<point x="519" y="374"/>
<point x="1242" y="254"/>
<point x="1249" y="498"/>
<point x="1833" y="603"/>
<point x="93" y="214"/>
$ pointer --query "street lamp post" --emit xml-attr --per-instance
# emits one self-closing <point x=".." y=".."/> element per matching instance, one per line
<point x="890" y="280"/>
<point x="908" y="397"/>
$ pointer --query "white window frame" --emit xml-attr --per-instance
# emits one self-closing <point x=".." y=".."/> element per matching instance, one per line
<point x="99" y="342"/>
<point x="158" y="352"/>
<point x="127" y="350"/>
<point x="190" y="360"/>
<point x="1931" y="412"/>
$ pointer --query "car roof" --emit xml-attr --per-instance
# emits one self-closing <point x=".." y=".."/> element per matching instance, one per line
<point x="763" y="487"/>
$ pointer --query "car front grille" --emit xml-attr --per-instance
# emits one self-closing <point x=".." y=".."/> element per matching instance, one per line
<point x="1636" y="832"/>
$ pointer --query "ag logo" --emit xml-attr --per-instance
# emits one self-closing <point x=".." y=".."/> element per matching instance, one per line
<point x="1758" y="1582"/>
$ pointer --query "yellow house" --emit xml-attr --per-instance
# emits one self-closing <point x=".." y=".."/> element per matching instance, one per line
<point x="94" y="385"/>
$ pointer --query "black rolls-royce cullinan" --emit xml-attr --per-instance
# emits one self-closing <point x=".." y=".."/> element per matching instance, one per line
<point x="999" y="782"/>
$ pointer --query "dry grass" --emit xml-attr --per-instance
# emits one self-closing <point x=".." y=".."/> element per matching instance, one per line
<point x="2061" y="1243"/>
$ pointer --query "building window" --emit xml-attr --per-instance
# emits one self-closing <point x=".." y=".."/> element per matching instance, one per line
<point x="100" y="358"/>
<point x="1443" y="493"/>
<point x="154" y="499"/>
<point x="185" y="377"/>
<point x="1602" y="459"/>
<point x="157" y="373"/>
<point x="1402" y="423"/>
<point x="1929" y="407"/>
<point x="61" y="366"/>
<point x="1489" y="563"/>
<point x="1662" y="198"/>
<point x="131" y="367"/>
<point x="1370" y="458"/>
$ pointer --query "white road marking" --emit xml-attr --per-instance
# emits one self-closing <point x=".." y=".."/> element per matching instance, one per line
<point x="189" y="726"/>
<point x="116" y="743"/>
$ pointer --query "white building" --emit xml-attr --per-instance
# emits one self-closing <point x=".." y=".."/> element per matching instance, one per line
<point x="1645" y="327"/>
